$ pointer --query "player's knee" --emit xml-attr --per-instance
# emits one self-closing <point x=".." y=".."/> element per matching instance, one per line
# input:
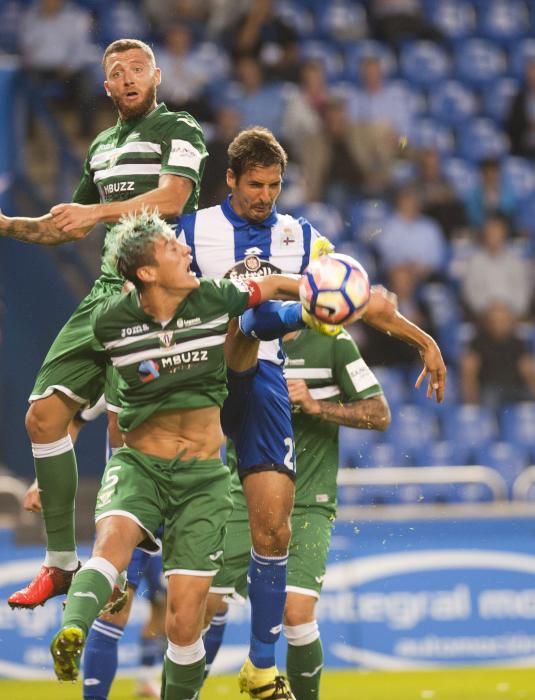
<point x="43" y="425"/>
<point x="271" y="538"/>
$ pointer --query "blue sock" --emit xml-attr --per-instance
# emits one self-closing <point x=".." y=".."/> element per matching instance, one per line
<point x="272" y="319"/>
<point x="213" y="638"/>
<point x="152" y="650"/>
<point x="100" y="659"/>
<point x="267" y="593"/>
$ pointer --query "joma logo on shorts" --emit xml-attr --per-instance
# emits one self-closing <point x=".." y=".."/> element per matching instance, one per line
<point x="184" y="358"/>
<point x="118" y="187"/>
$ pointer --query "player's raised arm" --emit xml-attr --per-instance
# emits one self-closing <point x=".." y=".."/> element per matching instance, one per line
<point x="278" y="287"/>
<point x="41" y="230"/>
<point x="383" y="315"/>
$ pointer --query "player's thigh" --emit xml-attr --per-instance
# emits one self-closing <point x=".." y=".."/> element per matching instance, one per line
<point x="309" y="548"/>
<point x="231" y="579"/>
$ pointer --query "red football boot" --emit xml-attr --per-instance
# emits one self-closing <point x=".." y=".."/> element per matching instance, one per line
<point x="49" y="582"/>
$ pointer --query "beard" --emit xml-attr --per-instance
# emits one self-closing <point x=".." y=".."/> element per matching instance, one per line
<point x="127" y="111"/>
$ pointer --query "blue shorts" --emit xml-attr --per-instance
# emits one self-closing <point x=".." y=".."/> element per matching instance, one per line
<point x="257" y="417"/>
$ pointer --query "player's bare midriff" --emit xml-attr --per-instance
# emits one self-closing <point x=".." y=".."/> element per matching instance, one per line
<point x="187" y="433"/>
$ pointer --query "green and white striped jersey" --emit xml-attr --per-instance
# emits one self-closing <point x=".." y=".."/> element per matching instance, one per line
<point x="128" y="159"/>
<point x="179" y="364"/>
<point x="333" y="370"/>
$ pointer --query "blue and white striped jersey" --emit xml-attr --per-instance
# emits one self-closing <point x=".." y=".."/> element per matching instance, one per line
<point x="220" y="240"/>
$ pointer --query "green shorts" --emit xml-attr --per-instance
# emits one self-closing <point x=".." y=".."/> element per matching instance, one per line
<point x="73" y="365"/>
<point x="307" y="562"/>
<point x="190" y="498"/>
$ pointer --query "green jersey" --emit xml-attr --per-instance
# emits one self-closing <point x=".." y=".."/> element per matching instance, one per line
<point x="177" y="364"/>
<point x="333" y="370"/>
<point x="128" y="159"/>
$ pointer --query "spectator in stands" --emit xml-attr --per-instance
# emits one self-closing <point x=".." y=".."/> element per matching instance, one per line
<point x="497" y="368"/>
<point x="491" y="195"/>
<point x="165" y="13"/>
<point x="520" y="122"/>
<point x="55" y="41"/>
<point x="409" y="238"/>
<point x="330" y="159"/>
<point x="214" y="182"/>
<point x="186" y="79"/>
<point x="495" y="272"/>
<point x="389" y="351"/>
<point x="439" y="199"/>
<point x="395" y="21"/>
<point x="383" y="121"/>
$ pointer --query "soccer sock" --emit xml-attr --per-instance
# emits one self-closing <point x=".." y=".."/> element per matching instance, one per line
<point x="100" y="659"/>
<point x="183" y="671"/>
<point x="90" y="589"/>
<point x="267" y="593"/>
<point x="272" y="319"/>
<point x="213" y="639"/>
<point x="57" y="475"/>
<point x="304" y="660"/>
<point x="151" y="654"/>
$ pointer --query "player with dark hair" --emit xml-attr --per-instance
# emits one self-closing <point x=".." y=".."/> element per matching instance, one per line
<point x="151" y="158"/>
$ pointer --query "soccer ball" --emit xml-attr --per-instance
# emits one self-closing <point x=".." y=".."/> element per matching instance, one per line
<point x="335" y="289"/>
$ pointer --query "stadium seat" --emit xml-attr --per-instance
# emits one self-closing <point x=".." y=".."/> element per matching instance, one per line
<point x="424" y="63"/>
<point x="385" y="454"/>
<point x="456" y="19"/>
<point x="504" y="21"/>
<point x="462" y="174"/>
<point x="441" y="453"/>
<point x="430" y="133"/>
<point x="445" y="313"/>
<point x="518" y="426"/>
<point x="496" y="99"/>
<point x="416" y="99"/>
<point x="471" y="426"/>
<point x="507" y="458"/>
<point x="368" y="47"/>
<point x="519" y="176"/>
<point x="520" y="52"/>
<point x="119" y="19"/>
<point x="419" y="396"/>
<point x="525" y="216"/>
<point x="452" y="103"/>
<point x="342" y="21"/>
<point x="393" y="383"/>
<point x="478" y="62"/>
<point x="10" y="19"/>
<point x="324" y="217"/>
<point x="412" y="429"/>
<point x="327" y="54"/>
<point x="298" y="17"/>
<point x="367" y="218"/>
<point x="479" y="139"/>
<point x="355" y="446"/>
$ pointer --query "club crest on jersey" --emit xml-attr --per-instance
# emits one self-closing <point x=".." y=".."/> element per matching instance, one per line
<point x="166" y="339"/>
<point x="252" y="263"/>
<point x="148" y="370"/>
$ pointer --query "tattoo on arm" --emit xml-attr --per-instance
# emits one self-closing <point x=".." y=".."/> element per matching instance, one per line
<point x="41" y="230"/>
<point x="368" y="414"/>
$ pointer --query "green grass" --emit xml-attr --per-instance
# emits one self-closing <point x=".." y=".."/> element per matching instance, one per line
<point x="455" y="684"/>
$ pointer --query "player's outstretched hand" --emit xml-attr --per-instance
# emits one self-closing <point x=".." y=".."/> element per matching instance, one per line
<point x="32" y="499"/>
<point x="435" y="369"/>
<point x="69" y="217"/>
<point x="319" y="326"/>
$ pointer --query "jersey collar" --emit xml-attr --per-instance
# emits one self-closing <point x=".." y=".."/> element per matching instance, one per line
<point x="238" y="222"/>
<point x="130" y="123"/>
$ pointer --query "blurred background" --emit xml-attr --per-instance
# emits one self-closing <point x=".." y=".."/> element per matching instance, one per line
<point x="410" y="128"/>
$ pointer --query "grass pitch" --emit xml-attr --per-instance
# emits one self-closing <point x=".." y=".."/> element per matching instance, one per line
<point x="453" y="684"/>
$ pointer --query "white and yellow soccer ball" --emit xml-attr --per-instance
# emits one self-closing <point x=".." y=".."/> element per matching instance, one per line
<point x="335" y="289"/>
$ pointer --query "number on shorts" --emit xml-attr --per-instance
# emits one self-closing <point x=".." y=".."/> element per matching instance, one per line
<point x="289" y="457"/>
<point x="110" y="482"/>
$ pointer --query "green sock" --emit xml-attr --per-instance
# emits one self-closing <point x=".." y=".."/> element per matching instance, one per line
<point x="58" y="480"/>
<point x="303" y="666"/>
<point x="88" y="592"/>
<point x="182" y="682"/>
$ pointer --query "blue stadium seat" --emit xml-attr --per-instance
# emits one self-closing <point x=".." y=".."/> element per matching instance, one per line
<point x="471" y="425"/>
<point x="355" y="446"/>
<point x="393" y="383"/>
<point x="461" y="174"/>
<point x="119" y="19"/>
<point x="385" y="454"/>
<point x="412" y="429"/>
<point x="520" y="52"/>
<point x="525" y="216"/>
<point x="497" y="98"/>
<point x="416" y="98"/>
<point x="430" y="133"/>
<point x="456" y="19"/>
<point x="300" y="18"/>
<point x="519" y="175"/>
<point x="424" y="63"/>
<point x="419" y="396"/>
<point x="368" y="47"/>
<point x="10" y="18"/>
<point x="342" y="21"/>
<point x="504" y="21"/>
<point x="518" y="426"/>
<point x="324" y="217"/>
<point x="367" y="218"/>
<point x="326" y="53"/>
<point x="452" y="103"/>
<point x="507" y="458"/>
<point x="479" y="139"/>
<point x="478" y="62"/>
<point x="441" y="453"/>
